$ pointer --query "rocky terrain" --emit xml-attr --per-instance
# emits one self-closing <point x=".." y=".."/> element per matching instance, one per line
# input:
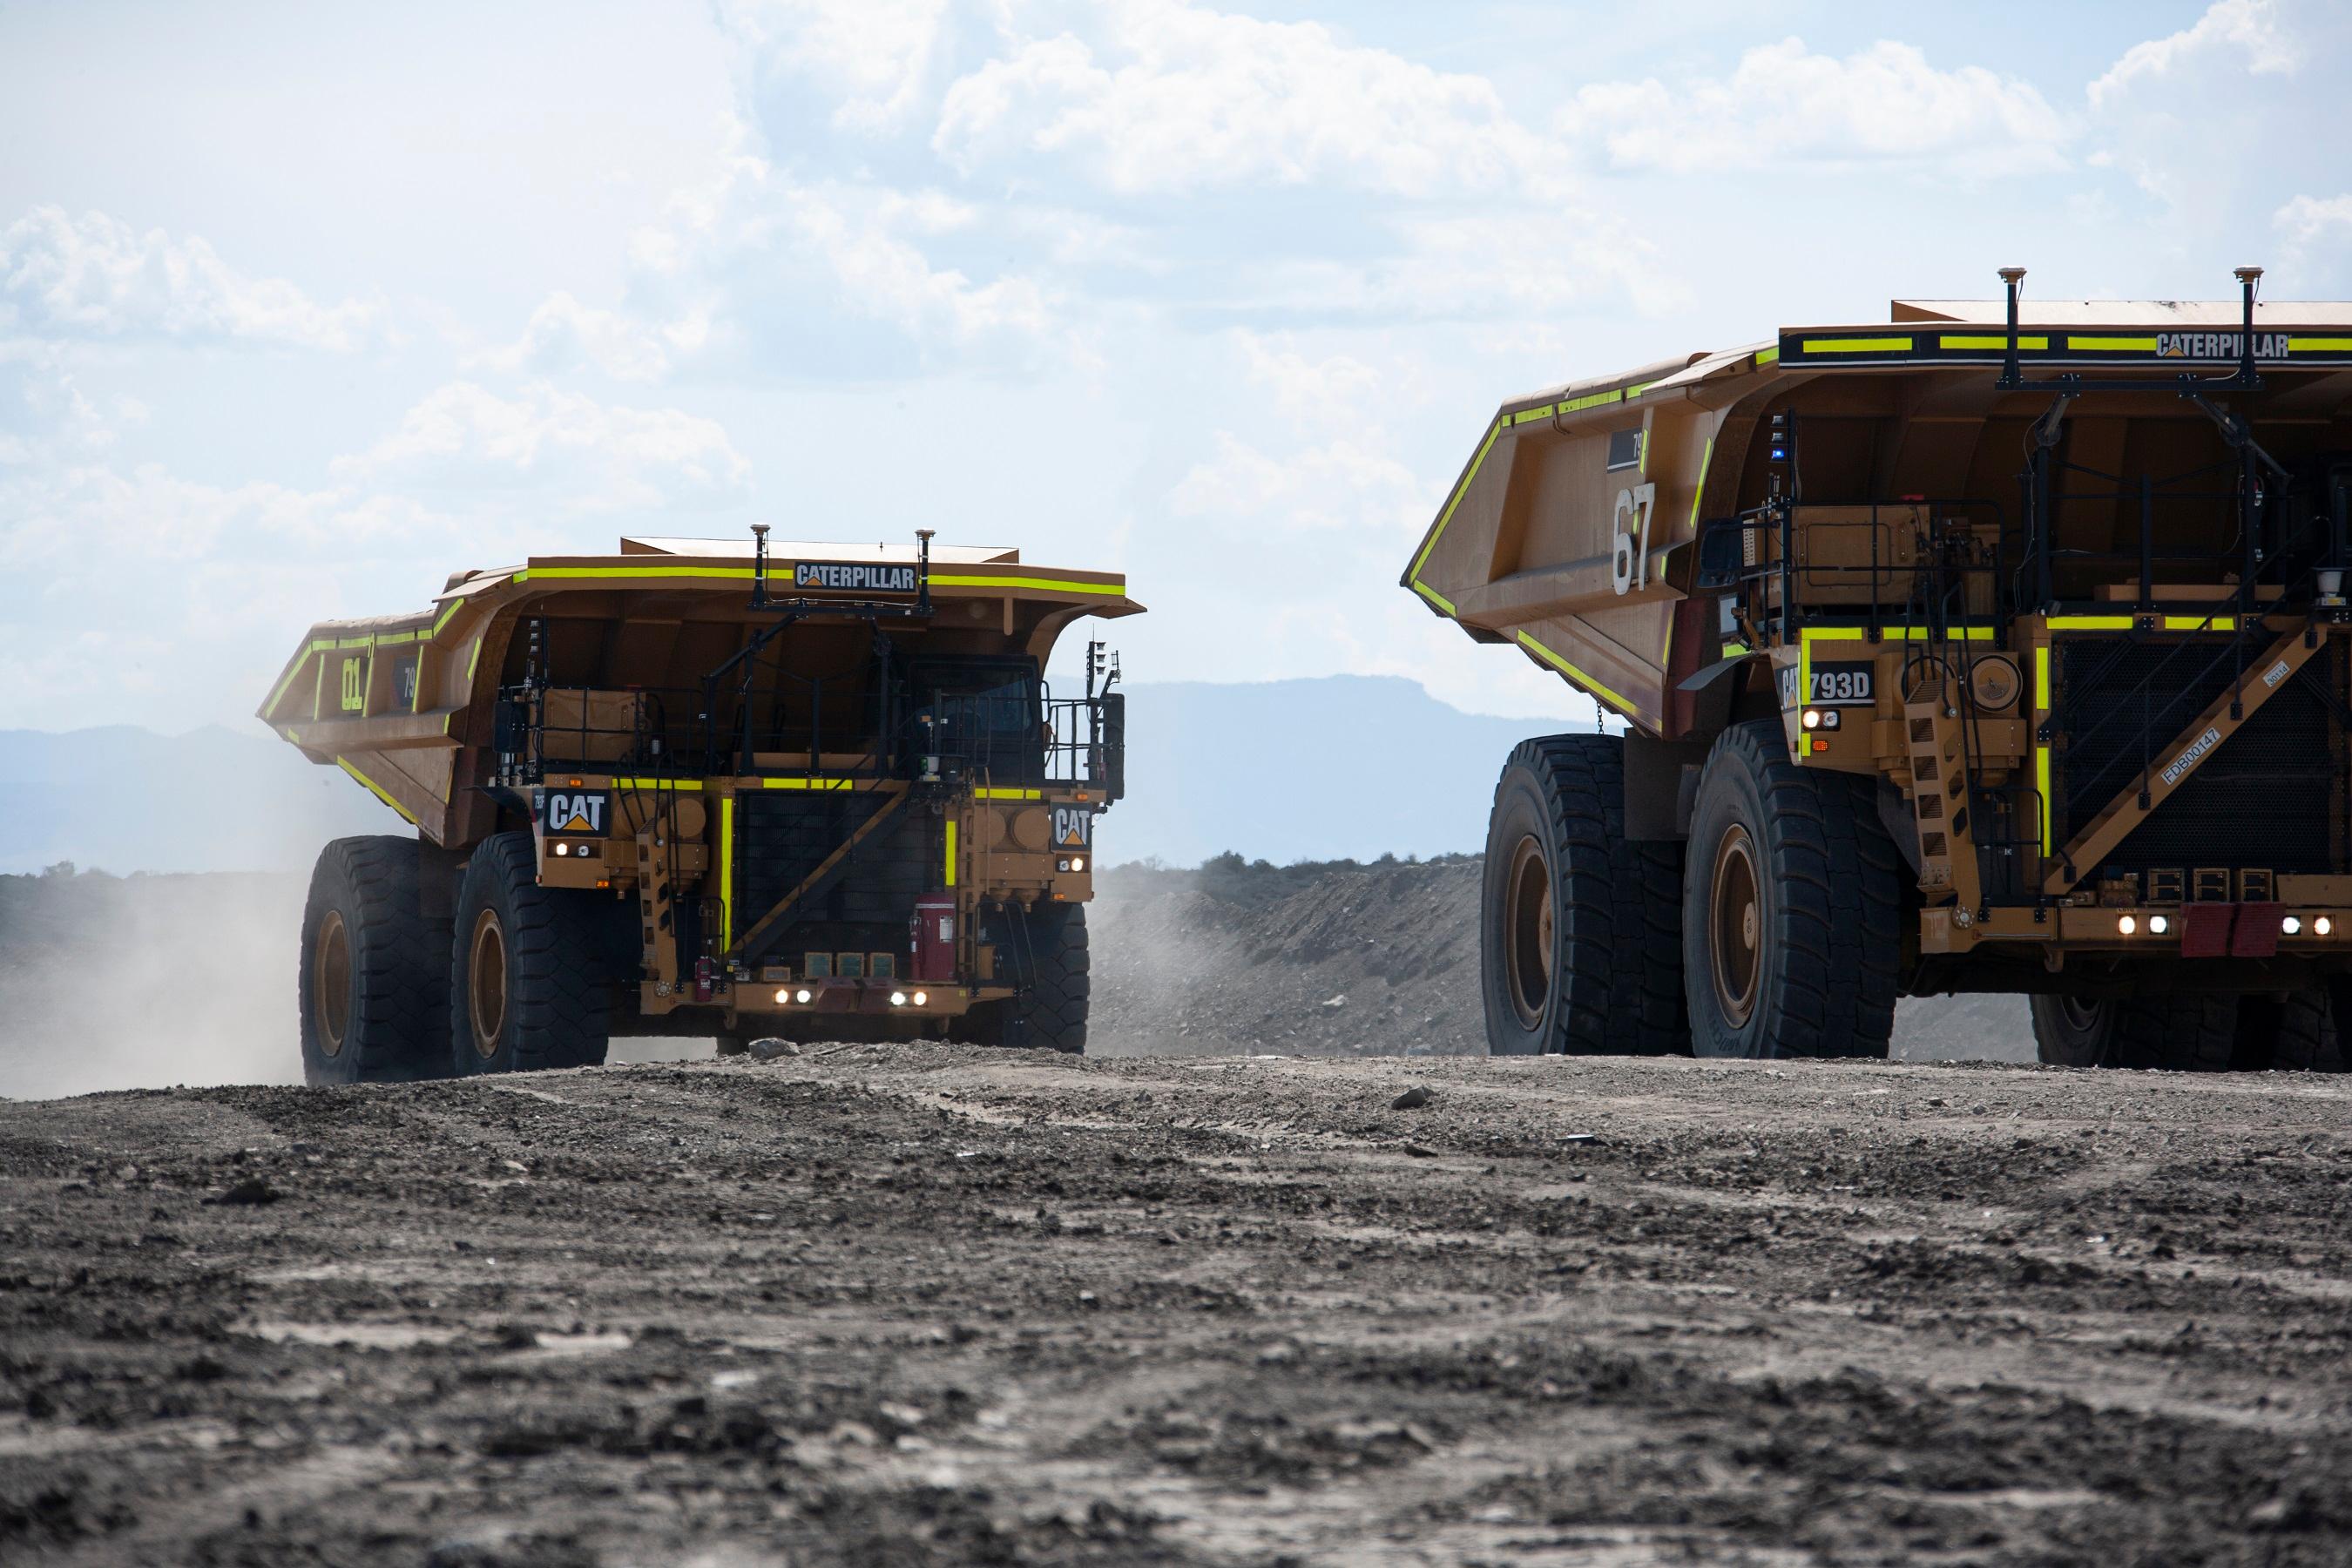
<point x="929" y="1305"/>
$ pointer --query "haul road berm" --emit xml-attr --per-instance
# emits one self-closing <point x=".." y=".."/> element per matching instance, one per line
<point x="708" y="788"/>
<point x="1996" y="647"/>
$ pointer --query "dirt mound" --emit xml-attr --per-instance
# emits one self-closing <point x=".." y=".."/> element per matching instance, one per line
<point x="1343" y="959"/>
<point x="1317" y="959"/>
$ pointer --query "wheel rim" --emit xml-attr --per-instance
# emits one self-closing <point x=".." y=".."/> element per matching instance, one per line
<point x="330" y="983"/>
<point x="1735" y="951"/>
<point x="1527" y="931"/>
<point x="486" y="982"/>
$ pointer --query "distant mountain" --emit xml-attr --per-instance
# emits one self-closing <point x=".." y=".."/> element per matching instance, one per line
<point x="1348" y="767"/>
<point x="212" y="800"/>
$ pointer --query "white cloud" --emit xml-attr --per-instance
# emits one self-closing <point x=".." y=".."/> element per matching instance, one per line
<point x="565" y="335"/>
<point x="2307" y="220"/>
<point x="1883" y="104"/>
<point x="591" y="456"/>
<point x="2318" y="237"/>
<point x="95" y="277"/>
<point x="1350" y="485"/>
<point x="2251" y="27"/>
<point x="1172" y="97"/>
<point x="1337" y="389"/>
<point x="874" y="56"/>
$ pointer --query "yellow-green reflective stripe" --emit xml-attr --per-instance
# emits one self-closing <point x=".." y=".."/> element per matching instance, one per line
<point x="952" y="838"/>
<point x="806" y="781"/>
<point x="1706" y="457"/>
<point x="455" y="605"/>
<point x="1967" y="341"/>
<point x="1524" y="415"/>
<point x="2111" y="345"/>
<point x="1580" y="676"/>
<point x="657" y="783"/>
<point x="1453" y="500"/>
<point x="1007" y="792"/>
<point x="2200" y="623"/>
<point x="2090" y="623"/>
<point x="1043" y="584"/>
<point x="725" y="873"/>
<point x="1434" y="596"/>
<point x="2041" y="747"/>
<point x="1856" y="345"/>
<point x="1634" y="392"/>
<point x="1591" y="400"/>
<point x="730" y="573"/>
<point x="2318" y="345"/>
<point x="473" y="659"/>
<point x="1768" y="356"/>
<point x="744" y="574"/>
<point x="375" y="789"/>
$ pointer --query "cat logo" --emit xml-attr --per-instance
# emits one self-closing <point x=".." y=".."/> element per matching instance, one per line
<point x="1073" y="827"/>
<point x="577" y="810"/>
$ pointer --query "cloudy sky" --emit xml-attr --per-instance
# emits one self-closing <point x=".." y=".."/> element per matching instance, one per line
<point x="303" y="307"/>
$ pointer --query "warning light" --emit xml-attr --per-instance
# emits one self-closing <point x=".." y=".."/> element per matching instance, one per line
<point x="2322" y="925"/>
<point x="2158" y="924"/>
<point x="1812" y="718"/>
<point x="2292" y="925"/>
<point x="2128" y="925"/>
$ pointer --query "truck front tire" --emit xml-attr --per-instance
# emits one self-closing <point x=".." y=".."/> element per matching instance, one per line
<point x="1791" y="899"/>
<point x="1043" y="952"/>
<point x="528" y="977"/>
<point x="1580" y="949"/>
<point x="2192" y="1032"/>
<point x="374" y="976"/>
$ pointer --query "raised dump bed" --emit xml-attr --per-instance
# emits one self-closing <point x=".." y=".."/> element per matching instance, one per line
<point x="698" y="787"/>
<point x="1993" y="646"/>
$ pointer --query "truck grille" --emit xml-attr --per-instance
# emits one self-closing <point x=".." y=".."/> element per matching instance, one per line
<point x="2273" y="795"/>
<point x="782" y="836"/>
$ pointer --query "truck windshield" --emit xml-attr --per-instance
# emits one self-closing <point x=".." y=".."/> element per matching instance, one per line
<point x="988" y="717"/>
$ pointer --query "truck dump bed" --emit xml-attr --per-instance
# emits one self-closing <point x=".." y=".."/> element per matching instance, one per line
<point x="403" y="703"/>
<point x="1571" y="532"/>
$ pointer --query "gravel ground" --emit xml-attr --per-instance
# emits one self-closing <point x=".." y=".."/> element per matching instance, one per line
<point x="935" y="1305"/>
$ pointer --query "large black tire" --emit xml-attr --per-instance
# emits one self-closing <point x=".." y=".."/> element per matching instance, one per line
<point x="1043" y="952"/>
<point x="2188" y="1033"/>
<point x="1793" y="903"/>
<point x="531" y="976"/>
<point x="374" y="977"/>
<point x="1580" y="938"/>
<point x="2290" y="1033"/>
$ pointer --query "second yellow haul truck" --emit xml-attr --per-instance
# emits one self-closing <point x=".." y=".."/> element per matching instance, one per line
<point x="694" y="787"/>
<point x="1989" y="648"/>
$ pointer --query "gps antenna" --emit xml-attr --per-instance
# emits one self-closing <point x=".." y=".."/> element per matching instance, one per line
<point x="2247" y="277"/>
<point x="2012" y="278"/>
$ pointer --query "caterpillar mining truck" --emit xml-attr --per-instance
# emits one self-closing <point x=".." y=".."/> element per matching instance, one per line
<point x="1997" y="647"/>
<point x="697" y="788"/>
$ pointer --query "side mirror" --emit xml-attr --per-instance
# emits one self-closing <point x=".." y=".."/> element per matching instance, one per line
<point x="1721" y="553"/>
<point x="1114" y="733"/>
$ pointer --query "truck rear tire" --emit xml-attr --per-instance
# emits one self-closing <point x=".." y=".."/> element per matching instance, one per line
<point x="375" y="974"/>
<point x="530" y="980"/>
<point x="2189" y="1032"/>
<point x="2294" y="1033"/>
<point x="1792" y="901"/>
<point x="1580" y="927"/>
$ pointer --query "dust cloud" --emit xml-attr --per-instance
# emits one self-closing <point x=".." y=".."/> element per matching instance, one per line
<point x="143" y="982"/>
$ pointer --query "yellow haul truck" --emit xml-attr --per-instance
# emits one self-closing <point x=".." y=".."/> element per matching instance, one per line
<point x="1997" y="647"/>
<point x="703" y="788"/>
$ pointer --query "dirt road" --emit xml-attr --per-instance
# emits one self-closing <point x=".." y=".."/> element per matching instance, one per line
<point x="932" y="1305"/>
